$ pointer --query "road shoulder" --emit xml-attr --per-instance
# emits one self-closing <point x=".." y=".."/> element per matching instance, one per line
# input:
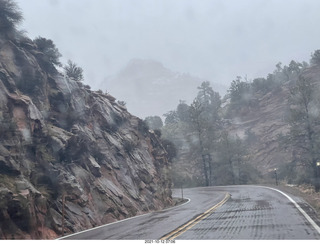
<point x="308" y="200"/>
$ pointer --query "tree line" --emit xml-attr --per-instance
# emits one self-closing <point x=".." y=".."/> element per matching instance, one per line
<point x="198" y="131"/>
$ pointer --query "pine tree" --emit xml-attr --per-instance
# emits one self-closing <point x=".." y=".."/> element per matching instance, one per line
<point x="10" y="16"/>
<point x="73" y="71"/>
<point x="305" y="125"/>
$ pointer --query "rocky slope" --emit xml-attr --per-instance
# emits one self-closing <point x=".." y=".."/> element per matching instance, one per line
<point x="266" y="123"/>
<point x="70" y="158"/>
<point x="262" y="122"/>
<point x="262" y="125"/>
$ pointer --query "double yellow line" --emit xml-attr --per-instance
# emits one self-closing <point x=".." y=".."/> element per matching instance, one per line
<point x="180" y="230"/>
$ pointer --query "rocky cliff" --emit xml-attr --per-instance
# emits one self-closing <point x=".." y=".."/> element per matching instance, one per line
<point x="70" y="158"/>
<point x="262" y="125"/>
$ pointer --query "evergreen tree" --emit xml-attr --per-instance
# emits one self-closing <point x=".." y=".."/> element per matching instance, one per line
<point x="10" y="16"/>
<point x="73" y="71"/>
<point x="231" y="165"/>
<point x="204" y="114"/>
<point x="315" y="58"/>
<point x="183" y="112"/>
<point x="171" y="117"/>
<point x="305" y="125"/>
<point x="50" y="55"/>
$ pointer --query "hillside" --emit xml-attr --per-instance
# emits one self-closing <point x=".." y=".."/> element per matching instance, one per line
<point x="266" y="125"/>
<point x="70" y="158"/>
<point x="259" y="126"/>
<point x="262" y="125"/>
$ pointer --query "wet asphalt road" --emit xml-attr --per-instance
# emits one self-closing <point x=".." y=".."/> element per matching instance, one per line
<point x="252" y="213"/>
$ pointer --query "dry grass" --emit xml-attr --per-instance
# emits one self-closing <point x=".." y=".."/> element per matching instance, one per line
<point x="312" y="197"/>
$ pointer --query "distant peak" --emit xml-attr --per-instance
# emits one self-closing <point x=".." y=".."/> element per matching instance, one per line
<point x="144" y="62"/>
<point x="137" y="67"/>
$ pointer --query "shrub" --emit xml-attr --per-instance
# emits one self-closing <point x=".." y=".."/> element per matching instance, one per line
<point x="129" y="146"/>
<point x="51" y="54"/>
<point x="73" y="71"/>
<point x="239" y="91"/>
<point x="143" y="127"/>
<point x="122" y="103"/>
<point x="315" y="57"/>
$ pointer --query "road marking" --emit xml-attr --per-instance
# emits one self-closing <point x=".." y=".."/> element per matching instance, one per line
<point x="317" y="228"/>
<point x="180" y="230"/>
<point x="119" y="221"/>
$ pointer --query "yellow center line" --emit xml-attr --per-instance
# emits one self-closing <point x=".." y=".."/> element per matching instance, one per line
<point x="177" y="232"/>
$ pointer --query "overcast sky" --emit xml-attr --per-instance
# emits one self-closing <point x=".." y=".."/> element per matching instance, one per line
<point x="212" y="39"/>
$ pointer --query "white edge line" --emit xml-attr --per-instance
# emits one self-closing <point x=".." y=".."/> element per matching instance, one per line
<point x="298" y="207"/>
<point x="137" y="216"/>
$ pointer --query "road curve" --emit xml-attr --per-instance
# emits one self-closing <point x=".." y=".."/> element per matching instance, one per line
<point x="256" y="213"/>
<point x="154" y="225"/>
<point x="251" y="212"/>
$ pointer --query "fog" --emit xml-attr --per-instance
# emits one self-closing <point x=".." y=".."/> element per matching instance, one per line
<point x="212" y="39"/>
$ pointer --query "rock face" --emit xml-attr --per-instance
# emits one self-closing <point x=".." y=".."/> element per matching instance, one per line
<point x="70" y="158"/>
<point x="262" y="125"/>
<point x="265" y="124"/>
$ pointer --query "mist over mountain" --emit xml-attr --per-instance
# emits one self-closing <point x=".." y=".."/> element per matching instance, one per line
<point x="149" y="88"/>
<point x="72" y="158"/>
